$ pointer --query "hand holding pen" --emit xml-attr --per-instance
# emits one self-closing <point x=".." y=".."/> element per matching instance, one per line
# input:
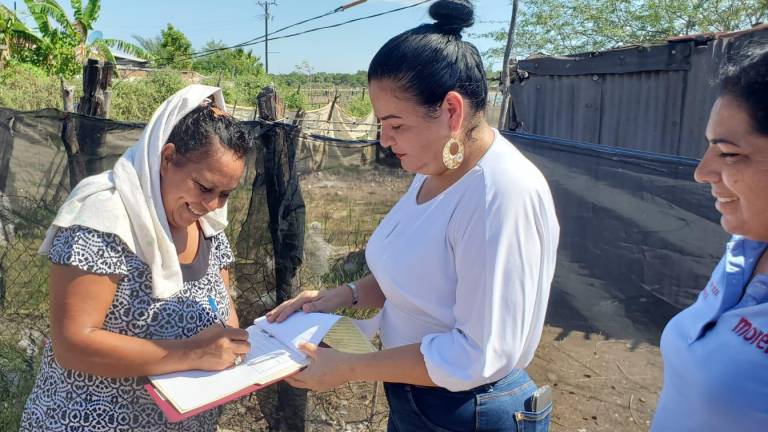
<point x="218" y="347"/>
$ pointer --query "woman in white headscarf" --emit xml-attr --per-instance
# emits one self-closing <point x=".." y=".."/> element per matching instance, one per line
<point x="136" y="254"/>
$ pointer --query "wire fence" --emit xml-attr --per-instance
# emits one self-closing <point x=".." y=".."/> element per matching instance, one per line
<point x="329" y="230"/>
<point x="318" y="96"/>
<point x="599" y="349"/>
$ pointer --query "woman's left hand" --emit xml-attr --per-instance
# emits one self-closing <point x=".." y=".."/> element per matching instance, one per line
<point x="329" y="369"/>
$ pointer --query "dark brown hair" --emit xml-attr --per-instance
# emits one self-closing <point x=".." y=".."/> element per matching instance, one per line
<point x="194" y="134"/>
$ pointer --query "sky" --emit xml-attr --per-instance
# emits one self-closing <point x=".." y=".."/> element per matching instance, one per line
<point x="344" y="49"/>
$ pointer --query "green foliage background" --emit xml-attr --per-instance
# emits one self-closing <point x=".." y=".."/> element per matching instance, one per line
<point x="562" y="27"/>
<point x="25" y="87"/>
<point x="137" y="100"/>
<point x="175" y="49"/>
<point x="57" y="43"/>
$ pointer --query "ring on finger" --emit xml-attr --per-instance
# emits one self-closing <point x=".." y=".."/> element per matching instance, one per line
<point x="238" y="359"/>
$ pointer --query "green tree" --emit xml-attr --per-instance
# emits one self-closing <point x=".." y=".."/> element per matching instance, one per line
<point x="304" y="74"/>
<point x="241" y="72"/>
<point x="14" y="34"/>
<point x="63" y="45"/>
<point x="137" y="100"/>
<point x="150" y="45"/>
<point x="175" y="49"/>
<point x="235" y="61"/>
<point x="559" y="27"/>
<point x="26" y="87"/>
<point x="359" y="107"/>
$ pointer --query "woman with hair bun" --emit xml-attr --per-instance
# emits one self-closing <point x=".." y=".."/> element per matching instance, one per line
<point x="461" y="266"/>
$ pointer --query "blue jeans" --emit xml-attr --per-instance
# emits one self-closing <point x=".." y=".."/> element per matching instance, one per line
<point x="500" y="406"/>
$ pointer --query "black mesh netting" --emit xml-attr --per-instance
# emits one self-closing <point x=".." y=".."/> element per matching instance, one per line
<point x="639" y="239"/>
<point x="43" y="154"/>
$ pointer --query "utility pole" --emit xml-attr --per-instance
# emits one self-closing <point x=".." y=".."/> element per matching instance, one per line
<point x="266" y="4"/>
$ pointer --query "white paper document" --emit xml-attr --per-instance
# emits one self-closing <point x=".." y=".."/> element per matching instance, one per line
<point x="274" y="354"/>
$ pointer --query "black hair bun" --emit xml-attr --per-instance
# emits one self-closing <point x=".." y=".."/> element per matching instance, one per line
<point x="452" y="16"/>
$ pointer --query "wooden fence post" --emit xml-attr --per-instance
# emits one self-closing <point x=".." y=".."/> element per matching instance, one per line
<point x="505" y="83"/>
<point x="83" y="138"/>
<point x="329" y="119"/>
<point x="75" y="165"/>
<point x="277" y="142"/>
<point x="286" y="226"/>
<point x="298" y="119"/>
<point x="6" y="151"/>
<point x="91" y="136"/>
<point x="333" y="105"/>
<point x="6" y="225"/>
<point x="3" y="55"/>
<point x="271" y="106"/>
<point x="283" y="407"/>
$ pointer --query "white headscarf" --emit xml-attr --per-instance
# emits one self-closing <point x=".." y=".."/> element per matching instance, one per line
<point x="126" y="201"/>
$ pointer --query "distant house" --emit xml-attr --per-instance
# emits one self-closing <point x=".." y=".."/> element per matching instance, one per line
<point x="129" y="61"/>
<point x="130" y="67"/>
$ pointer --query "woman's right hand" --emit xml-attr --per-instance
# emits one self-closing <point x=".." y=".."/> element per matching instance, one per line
<point x="216" y="347"/>
<point x="312" y="301"/>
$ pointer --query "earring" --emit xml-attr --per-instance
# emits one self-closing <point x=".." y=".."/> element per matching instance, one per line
<point x="452" y="161"/>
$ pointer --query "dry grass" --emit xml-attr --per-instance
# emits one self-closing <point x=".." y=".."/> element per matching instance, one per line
<point x="349" y="205"/>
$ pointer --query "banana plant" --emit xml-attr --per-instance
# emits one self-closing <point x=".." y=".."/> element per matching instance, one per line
<point x="67" y="40"/>
<point x="14" y="34"/>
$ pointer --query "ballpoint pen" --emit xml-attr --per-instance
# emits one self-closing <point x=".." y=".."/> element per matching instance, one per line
<point x="215" y="309"/>
<point x="212" y="303"/>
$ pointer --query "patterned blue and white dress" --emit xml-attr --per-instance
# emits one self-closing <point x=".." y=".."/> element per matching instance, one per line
<point x="69" y="400"/>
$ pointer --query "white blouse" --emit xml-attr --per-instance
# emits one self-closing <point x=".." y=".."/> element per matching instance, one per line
<point x="467" y="274"/>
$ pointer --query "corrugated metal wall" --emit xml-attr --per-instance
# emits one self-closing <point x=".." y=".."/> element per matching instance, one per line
<point x="654" y="98"/>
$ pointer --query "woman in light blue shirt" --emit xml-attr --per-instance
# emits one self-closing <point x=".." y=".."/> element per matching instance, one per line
<point x="716" y="351"/>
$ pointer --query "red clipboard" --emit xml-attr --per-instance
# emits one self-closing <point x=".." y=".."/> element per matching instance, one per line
<point x="174" y="416"/>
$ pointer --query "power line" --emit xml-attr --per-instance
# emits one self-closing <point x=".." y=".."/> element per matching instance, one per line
<point x="251" y="41"/>
<point x="348" y="21"/>
<point x="261" y="39"/>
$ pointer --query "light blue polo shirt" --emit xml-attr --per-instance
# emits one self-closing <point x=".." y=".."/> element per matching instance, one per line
<point x="716" y="352"/>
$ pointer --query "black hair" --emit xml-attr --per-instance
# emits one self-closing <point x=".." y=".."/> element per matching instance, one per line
<point x="194" y="135"/>
<point x="431" y="60"/>
<point x="746" y="79"/>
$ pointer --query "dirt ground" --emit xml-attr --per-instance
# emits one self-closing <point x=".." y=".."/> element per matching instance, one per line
<point x="599" y="383"/>
<point x="598" y="351"/>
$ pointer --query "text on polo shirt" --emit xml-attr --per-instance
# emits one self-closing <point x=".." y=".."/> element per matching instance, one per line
<point x="711" y="287"/>
<point x="751" y="334"/>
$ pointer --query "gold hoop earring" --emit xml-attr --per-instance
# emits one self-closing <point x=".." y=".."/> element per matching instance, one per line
<point x="452" y="161"/>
